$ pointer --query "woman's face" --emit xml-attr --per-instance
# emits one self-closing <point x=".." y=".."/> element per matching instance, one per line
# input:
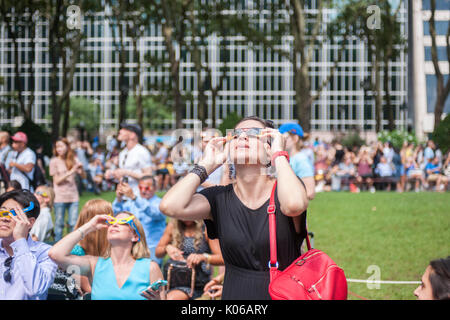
<point x="424" y="291"/>
<point x="122" y="232"/>
<point x="248" y="148"/>
<point x="61" y="149"/>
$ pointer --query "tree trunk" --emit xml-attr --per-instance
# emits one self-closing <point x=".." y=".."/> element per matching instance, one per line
<point x="123" y="84"/>
<point x="174" y="74"/>
<point x="303" y="98"/>
<point x="377" y="93"/>
<point x="54" y="50"/>
<point x="136" y="83"/>
<point x="387" y="95"/>
<point x="442" y="90"/>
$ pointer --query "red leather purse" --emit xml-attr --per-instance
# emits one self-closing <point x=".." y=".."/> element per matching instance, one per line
<point x="312" y="276"/>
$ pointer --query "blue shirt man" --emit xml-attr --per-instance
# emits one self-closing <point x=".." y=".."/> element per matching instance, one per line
<point x="26" y="270"/>
<point x="146" y="208"/>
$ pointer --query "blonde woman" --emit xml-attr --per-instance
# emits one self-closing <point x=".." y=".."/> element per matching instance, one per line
<point x="187" y="241"/>
<point x="125" y="270"/>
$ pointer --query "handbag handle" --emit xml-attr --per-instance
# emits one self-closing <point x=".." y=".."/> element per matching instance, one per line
<point x="273" y="263"/>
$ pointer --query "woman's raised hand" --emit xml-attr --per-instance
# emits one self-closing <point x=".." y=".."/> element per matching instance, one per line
<point x="98" y="222"/>
<point x="278" y="141"/>
<point x="215" y="154"/>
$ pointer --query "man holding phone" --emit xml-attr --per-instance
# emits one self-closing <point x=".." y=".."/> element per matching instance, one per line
<point x="145" y="207"/>
<point x="134" y="160"/>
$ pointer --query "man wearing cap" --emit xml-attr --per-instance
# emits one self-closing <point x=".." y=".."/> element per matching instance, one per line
<point x="299" y="160"/>
<point x="22" y="161"/>
<point x="134" y="160"/>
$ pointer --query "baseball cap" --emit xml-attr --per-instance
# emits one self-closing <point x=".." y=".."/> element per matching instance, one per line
<point x="20" y="137"/>
<point x="294" y="128"/>
<point x="133" y="128"/>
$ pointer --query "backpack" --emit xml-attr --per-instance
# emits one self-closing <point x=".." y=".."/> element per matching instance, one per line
<point x="38" y="176"/>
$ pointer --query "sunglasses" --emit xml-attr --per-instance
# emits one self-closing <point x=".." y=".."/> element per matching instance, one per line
<point x="145" y="188"/>
<point x="128" y="220"/>
<point x="250" y="132"/>
<point x="6" y="213"/>
<point x="42" y="193"/>
<point x="7" y="274"/>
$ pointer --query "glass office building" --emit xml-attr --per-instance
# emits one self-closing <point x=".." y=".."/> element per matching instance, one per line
<point x="258" y="82"/>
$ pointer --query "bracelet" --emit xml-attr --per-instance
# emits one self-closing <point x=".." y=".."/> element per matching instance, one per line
<point x="82" y="233"/>
<point x="208" y="258"/>
<point x="277" y="154"/>
<point x="201" y="172"/>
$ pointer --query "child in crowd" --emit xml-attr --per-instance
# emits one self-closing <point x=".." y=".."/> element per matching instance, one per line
<point x="43" y="227"/>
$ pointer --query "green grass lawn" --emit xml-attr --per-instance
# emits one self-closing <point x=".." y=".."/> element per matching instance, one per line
<point x="397" y="232"/>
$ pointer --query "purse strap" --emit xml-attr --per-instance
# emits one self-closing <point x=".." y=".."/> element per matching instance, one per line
<point x="273" y="262"/>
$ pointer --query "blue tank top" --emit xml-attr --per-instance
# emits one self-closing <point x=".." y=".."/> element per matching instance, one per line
<point x="104" y="285"/>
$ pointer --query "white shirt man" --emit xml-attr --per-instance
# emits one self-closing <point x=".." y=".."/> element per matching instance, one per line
<point x="134" y="160"/>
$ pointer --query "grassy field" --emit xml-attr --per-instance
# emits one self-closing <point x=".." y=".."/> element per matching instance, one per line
<point x="398" y="233"/>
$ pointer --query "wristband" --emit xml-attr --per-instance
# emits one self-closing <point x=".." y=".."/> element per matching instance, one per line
<point x="277" y="154"/>
<point x="208" y="257"/>
<point x="201" y="172"/>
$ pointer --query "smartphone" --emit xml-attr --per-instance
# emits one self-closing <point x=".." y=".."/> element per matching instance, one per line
<point x="125" y="180"/>
<point x="155" y="286"/>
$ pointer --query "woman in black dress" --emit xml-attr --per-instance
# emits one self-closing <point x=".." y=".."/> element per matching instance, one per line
<point x="237" y="214"/>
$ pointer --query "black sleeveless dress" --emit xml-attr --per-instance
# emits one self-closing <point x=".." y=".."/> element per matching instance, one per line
<point x="243" y="235"/>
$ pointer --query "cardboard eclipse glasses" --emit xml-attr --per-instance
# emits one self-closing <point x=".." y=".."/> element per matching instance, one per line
<point x="128" y="220"/>
<point x="7" y="213"/>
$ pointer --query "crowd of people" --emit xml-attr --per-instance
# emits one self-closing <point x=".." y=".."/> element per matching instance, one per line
<point x="142" y="246"/>
<point x="381" y="166"/>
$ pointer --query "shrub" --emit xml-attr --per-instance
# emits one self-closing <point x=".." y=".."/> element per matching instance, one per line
<point x="441" y="134"/>
<point x="397" y="137"/>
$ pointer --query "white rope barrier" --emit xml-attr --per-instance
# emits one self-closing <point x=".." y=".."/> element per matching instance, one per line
<point x="382" y="281"/>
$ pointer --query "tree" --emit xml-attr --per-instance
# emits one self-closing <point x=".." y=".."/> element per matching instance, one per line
<point x="171" y="15"/>
<point x="382" y="45"/>
<point x="205" y="20"/>
<point x="64" y="45"/>
<point x="296" y="19"/>
<point x="118" y="19"/>
<point x="442" y="88"/>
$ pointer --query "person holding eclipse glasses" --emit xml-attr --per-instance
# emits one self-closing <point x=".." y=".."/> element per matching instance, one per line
<point x="145" y="207"/>
<point x="125" y="272"/>
<point x="26" y="271"/>
<point x="236" y="214"/>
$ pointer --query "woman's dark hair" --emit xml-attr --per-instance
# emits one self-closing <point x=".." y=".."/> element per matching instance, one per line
<point x="265" y="123"/>
<point x="24" y="198"/>
<point x="440" y="278"/>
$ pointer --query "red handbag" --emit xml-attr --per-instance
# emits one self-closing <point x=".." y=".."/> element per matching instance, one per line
<point x="312" y="276"/>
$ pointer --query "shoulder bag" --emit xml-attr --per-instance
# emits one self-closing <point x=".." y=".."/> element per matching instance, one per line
<point x="312" y="276"/>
